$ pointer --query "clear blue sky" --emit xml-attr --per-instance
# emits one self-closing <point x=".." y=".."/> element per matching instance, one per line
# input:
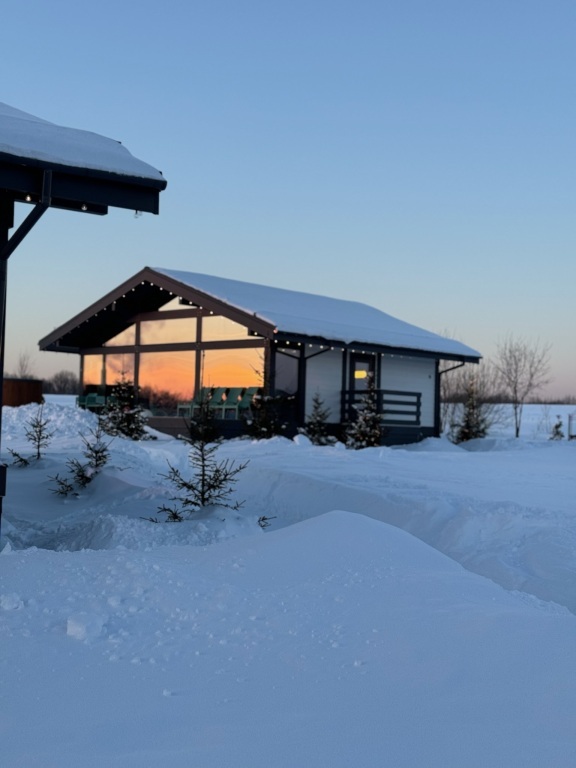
<point x="414" y="155"/>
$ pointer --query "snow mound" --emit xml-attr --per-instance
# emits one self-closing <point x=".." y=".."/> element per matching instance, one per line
<point x="117" y="532"/>
<point x="63" y="420"/>
<point x="430" y="444"/>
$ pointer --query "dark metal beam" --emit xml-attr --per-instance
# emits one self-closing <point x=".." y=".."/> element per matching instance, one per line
<point x="39" y="209"/>
<point x="72" y="189"/>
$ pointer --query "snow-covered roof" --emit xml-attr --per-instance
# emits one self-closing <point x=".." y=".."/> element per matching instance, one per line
<point x="320" y="316"/>
<point x="25" y="136"/>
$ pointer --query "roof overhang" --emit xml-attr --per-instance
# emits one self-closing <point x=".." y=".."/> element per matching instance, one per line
<point x="147" y="291"/>
<point x="88" y="172"/>
<point x="51" y="166"/>
<point x="281" y="337"/>
<point x="75" y="188"/>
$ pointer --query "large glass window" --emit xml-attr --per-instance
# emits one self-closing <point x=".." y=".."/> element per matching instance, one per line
<point x="174" y="304"/>
<point x="92" y="370"/>
<point x="126" y="338"/>
<point x="232" y="367"/>
<point x="170" y="331"/>
<point x="287" y="371"/>
<point x="119" y="366"/>
<point x="165" y="379"/>
<point x="218" y="328"/>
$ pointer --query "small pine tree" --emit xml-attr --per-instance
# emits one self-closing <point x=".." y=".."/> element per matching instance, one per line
<point x="96" y="452"/>
<point x="366" y="430"/>
<point x="473" y="423"/>
<point x="123" y="415"/>
<point x="202" y="423"/>
<point x="557" y="431"/>
<point x="37" y="432"/>
<point x="18" y="460"/>
<point x="210" y="486"/>
<point x="315" y="428"/>
<point x="265" y="418"/>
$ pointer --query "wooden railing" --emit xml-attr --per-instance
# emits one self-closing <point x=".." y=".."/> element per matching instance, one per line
<point x="397" y="407"/>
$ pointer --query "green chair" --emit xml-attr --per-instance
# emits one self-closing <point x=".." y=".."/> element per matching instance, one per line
<point x="245" y="402"/>
<point x="94" y="402"/>
<point x="217" y="400"/>
<point x="189" y="408"/>
<point x="230" y="407"/>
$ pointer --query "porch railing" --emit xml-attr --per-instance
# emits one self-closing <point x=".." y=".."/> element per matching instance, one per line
<point x="398" y="408"/>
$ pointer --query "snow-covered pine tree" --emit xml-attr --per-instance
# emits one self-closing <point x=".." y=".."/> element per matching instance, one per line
<point x="123" y="415"/>
<point x="473" y="423"/>
<point x="265" y="418"/>
<point x="366" y="430"/>
<point x="315" y="427"/>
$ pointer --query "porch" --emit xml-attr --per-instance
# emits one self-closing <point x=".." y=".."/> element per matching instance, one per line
<point x="398" y="408"/>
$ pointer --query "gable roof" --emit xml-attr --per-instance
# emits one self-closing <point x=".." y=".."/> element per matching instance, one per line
<point x="306" y="314"/>
<point x="265" y="310"/>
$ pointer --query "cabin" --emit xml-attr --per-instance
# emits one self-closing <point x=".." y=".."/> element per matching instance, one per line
<point x="183" y="336"/>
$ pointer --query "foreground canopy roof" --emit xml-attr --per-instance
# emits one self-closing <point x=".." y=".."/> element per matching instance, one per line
<point x="89" y="172"/>
<point x="270" y="312"/>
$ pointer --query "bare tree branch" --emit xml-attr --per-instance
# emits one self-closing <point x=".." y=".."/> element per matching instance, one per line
<point x="523" y="368"/>
<point x="24" y="367"/>
<point x="456" y="384"/>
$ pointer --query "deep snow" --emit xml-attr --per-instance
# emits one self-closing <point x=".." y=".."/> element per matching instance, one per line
<point x="406" y="607"/>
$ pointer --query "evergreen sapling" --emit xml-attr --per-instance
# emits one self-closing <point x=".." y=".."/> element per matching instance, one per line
<point x="123" y="415"/>
<point x="97" y="453"/>
<point x="211" y="485"/>
<point x="473" y="423"/>
<point x="315" y="428"/>
<point x="366" y="430"/>
<point x="265" y="418"/>
<point x="202" y="423"/>
<point x="37" y="432"/>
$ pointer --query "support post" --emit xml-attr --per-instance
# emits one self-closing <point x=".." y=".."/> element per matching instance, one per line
<point x="7" y="246"/>
<point x="6" y="224"/>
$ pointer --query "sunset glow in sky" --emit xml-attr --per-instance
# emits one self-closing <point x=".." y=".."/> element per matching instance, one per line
<point x="415" y="156"/>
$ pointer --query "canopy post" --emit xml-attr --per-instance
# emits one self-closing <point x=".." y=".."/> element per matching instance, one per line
<point x="6" y="223"/>
<point x="9" y="245"/>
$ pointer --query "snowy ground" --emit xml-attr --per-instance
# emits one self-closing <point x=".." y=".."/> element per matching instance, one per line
<point x="408" y="607"/>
